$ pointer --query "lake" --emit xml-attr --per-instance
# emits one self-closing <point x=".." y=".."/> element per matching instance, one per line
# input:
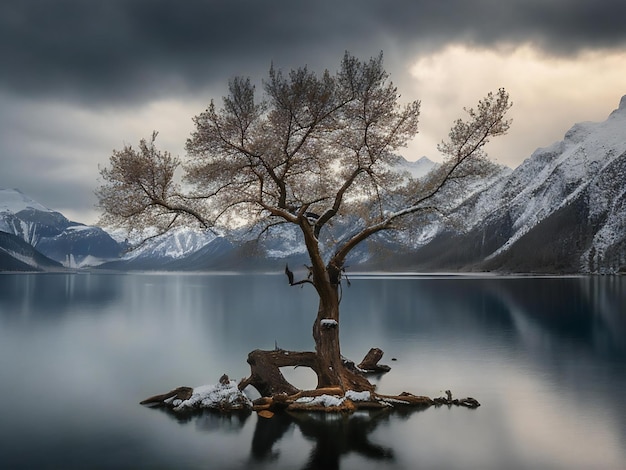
<point x="546" y="357"/>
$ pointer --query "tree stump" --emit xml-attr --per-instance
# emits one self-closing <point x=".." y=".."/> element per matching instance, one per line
<point x="370" y="365"/>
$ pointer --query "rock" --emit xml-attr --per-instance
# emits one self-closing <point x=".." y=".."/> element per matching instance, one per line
<point x="468" y="402"/>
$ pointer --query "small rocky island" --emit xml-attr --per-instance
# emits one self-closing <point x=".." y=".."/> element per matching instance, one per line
<point x="227" y="396"/>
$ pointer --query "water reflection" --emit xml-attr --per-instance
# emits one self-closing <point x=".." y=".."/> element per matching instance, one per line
<point x="209" y="421"/>
<point x="50" y="296"/>
<point x="545" y="356"/>
<point x="585" y="311"/>
<point x="333" y="436"/>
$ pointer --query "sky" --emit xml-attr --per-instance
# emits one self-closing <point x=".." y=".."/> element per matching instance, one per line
<point x="81" y="78"/>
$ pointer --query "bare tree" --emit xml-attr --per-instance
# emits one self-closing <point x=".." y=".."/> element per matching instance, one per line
<point x="315" y="149"/>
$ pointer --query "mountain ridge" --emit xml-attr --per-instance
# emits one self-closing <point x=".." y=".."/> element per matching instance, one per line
<point x="579" y="182"/>
<point x="71" y="244"/>
<point x="562" y="210"/>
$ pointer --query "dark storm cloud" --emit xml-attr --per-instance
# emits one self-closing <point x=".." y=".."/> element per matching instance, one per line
<point x="120" y="50"/>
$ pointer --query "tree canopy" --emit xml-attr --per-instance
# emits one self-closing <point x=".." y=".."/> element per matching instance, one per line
<point x="312" y="149"/>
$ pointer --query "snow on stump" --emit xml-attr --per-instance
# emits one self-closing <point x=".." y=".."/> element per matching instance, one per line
<point x="333" y="400"/>
<point x="224" y="396"/>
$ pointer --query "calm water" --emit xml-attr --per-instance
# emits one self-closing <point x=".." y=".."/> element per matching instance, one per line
<point x="546" y="357"/>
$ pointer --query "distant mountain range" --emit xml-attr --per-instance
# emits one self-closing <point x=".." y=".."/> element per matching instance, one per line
<point x="41" y="238"/>
<point x="563" y="210"/>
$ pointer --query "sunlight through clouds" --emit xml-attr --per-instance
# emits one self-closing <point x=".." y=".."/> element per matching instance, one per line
<point x="550" y="94"/>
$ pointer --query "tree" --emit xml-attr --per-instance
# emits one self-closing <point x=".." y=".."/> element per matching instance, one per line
<point x="316" y="149"/>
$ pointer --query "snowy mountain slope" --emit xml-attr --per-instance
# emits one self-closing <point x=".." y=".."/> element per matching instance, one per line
<point x="70" y="243"/>
<point x="212" y="255"/>
<point x="17" y="255"/>
<point x="32" y="225"/>
<point x="79" y="246"/>
<point x="182" y="249"/>
<point x="13" y="200"/>
<point x="552" y="176"/>
<point x="176" y="244"/>
<point x="583" y="235"/>
<point x="561" y="210"/>
<point x="417" y="169"/>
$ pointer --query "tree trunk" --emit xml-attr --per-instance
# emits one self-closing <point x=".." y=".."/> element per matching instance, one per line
<point x="332" y="369"/>
<point x="327" y="362"/>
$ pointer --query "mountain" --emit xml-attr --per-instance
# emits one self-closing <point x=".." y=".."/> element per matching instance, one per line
<point x="418" y="168"/>
<point x="182" y="249"/>
<point x="563" y="210"/>
<point x="17" y="255"/>
<point x="70" y="243"/>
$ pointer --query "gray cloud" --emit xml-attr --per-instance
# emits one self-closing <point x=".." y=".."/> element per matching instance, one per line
<point x="79" y="78"/>
<point x="120" y="50"/>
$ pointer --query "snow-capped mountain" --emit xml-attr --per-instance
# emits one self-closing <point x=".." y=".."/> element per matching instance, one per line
<point x="53" y="235"/>
<point x="13" y="200"/>
<point x="417" y="169"/>
<point x="562" y="210"/>
<point x="179" y="249"/>
<point x="178" y="243"/>
<point x="17" y="255"/>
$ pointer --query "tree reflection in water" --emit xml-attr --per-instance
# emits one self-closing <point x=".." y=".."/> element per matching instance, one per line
<point x="338" y="435"/>
<point x="334" y="435"/>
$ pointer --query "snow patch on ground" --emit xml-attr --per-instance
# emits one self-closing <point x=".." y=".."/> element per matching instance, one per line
<point x="327" y="401"/>
<point x="323" y="400"/>
<point x="219" y="396"/>
<point x="358" y="396"/>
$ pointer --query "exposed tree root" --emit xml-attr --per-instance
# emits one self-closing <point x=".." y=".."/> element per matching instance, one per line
<point x="266" y="376"/>
<point x="334" y="400"/>
<point x="277" y="394"/>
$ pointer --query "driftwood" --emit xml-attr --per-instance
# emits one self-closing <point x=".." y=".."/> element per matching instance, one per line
<point x="180" y="393"/>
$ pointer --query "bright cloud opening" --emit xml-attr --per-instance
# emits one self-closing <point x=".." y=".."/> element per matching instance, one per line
<point x="549" y="94"/>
